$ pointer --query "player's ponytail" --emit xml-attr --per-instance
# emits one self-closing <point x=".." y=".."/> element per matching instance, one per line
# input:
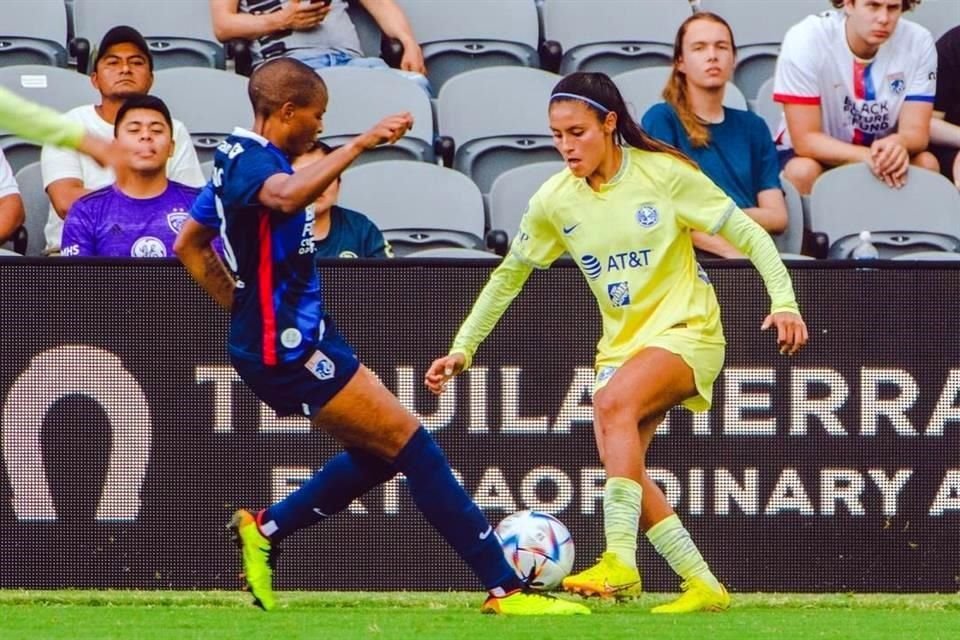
<point x="602" y="96"/>
<point x="675" y="93"/>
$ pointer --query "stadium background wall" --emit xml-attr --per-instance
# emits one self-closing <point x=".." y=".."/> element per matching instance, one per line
<point x="127" y="441"/>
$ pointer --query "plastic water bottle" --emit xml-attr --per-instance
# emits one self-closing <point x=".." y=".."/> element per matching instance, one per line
<point x="865" y="249"/>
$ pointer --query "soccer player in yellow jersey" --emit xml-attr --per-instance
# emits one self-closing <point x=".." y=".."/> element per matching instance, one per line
<point x="624" y="208"/>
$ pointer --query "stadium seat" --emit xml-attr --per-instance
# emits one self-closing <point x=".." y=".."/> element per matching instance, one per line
<point x="36" y="206"/>
<point x="923" y="215"/>
<point x="496" y="119"/>
<point x="509" y="195"/>
<point x="609" y="35"/>
<point x="33" y="32"/>
<point x="459" y="36"/>
<point x="179" y="34"/>
<point x="791" y="240"/>
<point x="765" y="107"/>
<point x="359" y="98"/>
<point x="643" y="88"/>
<point x="417" y="205"/>
<point x="458" y="253"/>
<point x="939" y="16"/>
<point x="210" y="102"/>
<point x="57" y="88"/>
<point x="947" y="256"/>
<point x="759" y="33"/>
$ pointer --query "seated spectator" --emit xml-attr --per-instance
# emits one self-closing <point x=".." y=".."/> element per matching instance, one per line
<point x="123" y="67"/>
<point x="141" y="213"/>
<point x="945" y="126"/>
<point x="11" y="204"/>
<point x="319" y="33"/>
<point x="732" y="147"/>
<point x="857" y="85"/>
<point x="339" y="232"/>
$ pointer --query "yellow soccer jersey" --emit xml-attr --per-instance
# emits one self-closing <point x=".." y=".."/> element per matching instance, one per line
<point x="631" y="239"/>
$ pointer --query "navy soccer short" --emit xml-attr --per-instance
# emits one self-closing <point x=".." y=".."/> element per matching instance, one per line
<point x="303" y="386"/>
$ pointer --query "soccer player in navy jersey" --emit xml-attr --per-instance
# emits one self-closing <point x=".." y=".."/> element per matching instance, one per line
<point x="285" y="347"/>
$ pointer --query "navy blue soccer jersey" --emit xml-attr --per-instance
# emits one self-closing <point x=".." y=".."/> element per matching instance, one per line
<point x="277" y="313"/>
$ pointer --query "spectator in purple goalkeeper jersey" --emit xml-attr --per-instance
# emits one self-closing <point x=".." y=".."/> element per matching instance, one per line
<point x="141" y="213"/>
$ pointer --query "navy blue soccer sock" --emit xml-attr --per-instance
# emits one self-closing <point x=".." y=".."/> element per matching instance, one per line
<point x="446" y="505"/>
<point x="345" y="477"/>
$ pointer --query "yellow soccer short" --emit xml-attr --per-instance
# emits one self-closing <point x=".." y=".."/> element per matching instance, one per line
<point x="703" y="356"/>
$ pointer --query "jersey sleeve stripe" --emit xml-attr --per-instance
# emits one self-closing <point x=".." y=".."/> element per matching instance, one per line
<point x="789" y="99"/>
<point x="265" y="286"/>
<point x="723" y="219"/>
<point x="929" y="99"/>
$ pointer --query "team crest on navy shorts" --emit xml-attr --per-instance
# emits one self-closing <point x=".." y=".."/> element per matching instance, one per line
<point x="647" y="215"/>
<point x="320" y="365"/>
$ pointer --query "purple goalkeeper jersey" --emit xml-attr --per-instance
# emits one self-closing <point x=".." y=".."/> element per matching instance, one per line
<point x="107" y="222"/>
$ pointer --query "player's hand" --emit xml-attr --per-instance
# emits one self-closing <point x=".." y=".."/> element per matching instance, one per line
<point x="412" y="59"/>
<point x="889" y="161"/>
<point x="300" y="15"/>
<point x="791" y="331"/>
<point x="442" y="370"/>
<point x="387" y="131"/>
<point x="107" y="153"/>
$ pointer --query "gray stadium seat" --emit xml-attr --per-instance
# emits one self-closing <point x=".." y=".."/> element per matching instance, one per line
<point x="948" y="256"/>
<point x="939" y="16"/>
<point x="359" y="98"/>
<point x="612" y="35"/>
<point x="57" y="88"/>
<point x="179" y="32"/>
<point x="511" y="192"/>
<point x="209" y="102"/>
<point x="758" y="33"/>
<point x="922" y="215"/>
<point x="497" y="118"/>
<point x="458" y="253"/>
<point x="36" y="206"/>
<point x="791" y="240"/>
<point x="765" y="107"/>
<point x="643" y="88"/>
<point x="33" y="32"/>
<point x="417" y="205"/>
<point x="459" y="36"/>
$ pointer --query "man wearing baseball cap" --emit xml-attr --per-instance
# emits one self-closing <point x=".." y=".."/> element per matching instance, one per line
<point x="123" y="67"/>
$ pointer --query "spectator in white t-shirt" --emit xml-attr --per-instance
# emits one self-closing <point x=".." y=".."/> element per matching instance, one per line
<point x="123" y="67"/>
<point x="11" y="205"/>
<point x="857" y="85"/>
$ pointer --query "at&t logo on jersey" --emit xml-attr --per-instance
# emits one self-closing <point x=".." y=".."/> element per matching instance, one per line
<point x="619" y="293"/>
<point x="591" y="266"/>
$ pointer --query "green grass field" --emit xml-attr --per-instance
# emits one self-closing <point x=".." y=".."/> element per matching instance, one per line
<point x="183" y="615"/>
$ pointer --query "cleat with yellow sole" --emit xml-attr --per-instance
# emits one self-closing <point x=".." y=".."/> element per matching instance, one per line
<point x="528" y="603"/>
<point x="609" y="578"/>
<point x="257" y="556"/>
<point x="697" y="596"/>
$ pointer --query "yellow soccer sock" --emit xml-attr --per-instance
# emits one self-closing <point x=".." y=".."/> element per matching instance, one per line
<point x="673" y="542"/>
<point x="621" y="518"/>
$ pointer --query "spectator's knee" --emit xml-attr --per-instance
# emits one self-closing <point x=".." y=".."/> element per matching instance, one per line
<point x="802" y="173"/>
<point x="926" y="160"/>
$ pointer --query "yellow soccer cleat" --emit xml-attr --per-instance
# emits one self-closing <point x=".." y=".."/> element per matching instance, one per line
<point x="257" y="555"/>
<point x="609" y="578"/>
<point x="527" y="603"/>
<point x="697" y="596"/>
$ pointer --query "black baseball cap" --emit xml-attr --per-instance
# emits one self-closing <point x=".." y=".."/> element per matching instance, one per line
<point x="119" y="35"/>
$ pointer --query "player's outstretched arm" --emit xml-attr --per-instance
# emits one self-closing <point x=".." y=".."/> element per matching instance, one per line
<point x="290" y="193"/>
<point x="202" y="262"/>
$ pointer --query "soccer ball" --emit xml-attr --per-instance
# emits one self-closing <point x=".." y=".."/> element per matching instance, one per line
<point x="538" y="547"/>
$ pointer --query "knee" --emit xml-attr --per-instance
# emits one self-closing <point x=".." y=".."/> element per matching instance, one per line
<point x="802" y="173"/>
<point x="609" y="412"/>
<point x="926" y="160"/>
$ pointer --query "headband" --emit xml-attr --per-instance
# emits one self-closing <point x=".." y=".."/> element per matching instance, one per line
<point x="574" y="96"/>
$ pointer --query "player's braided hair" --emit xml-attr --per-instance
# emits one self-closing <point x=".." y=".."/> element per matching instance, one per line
<point x="907" y="5"/>
<point x="283" y="80"/>
<point x="602" y="96"/>
<point x="675" y="93"/>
